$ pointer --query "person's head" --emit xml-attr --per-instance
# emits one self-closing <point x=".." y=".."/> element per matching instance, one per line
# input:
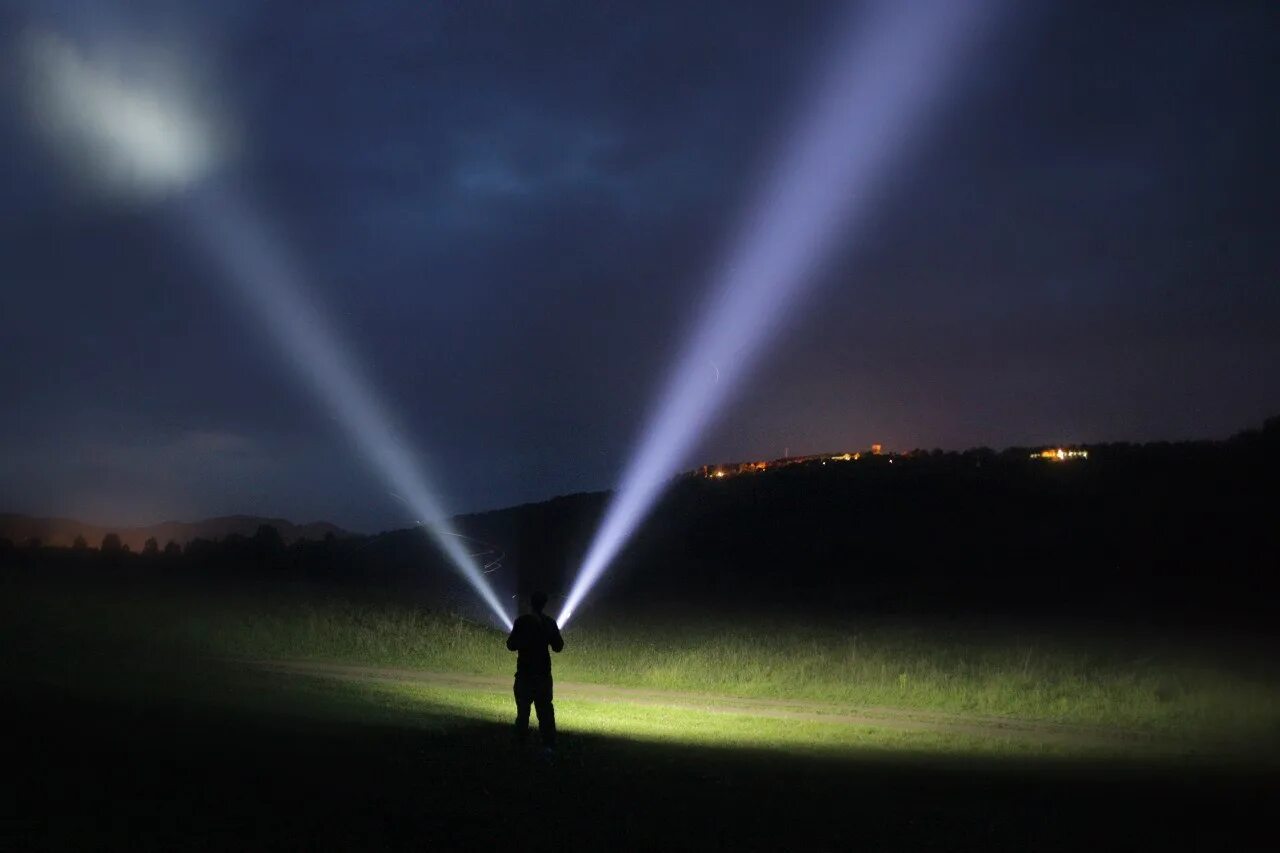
<point x="537" y="601"/>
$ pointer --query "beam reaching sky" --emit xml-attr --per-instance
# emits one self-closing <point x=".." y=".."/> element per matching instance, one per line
<point x="884" y="74"/>
<point x="255" y="266"/>
<point x="141" y="136"/>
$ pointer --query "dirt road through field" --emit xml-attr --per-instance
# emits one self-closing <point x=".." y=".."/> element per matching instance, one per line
<point x="781" y="709"/>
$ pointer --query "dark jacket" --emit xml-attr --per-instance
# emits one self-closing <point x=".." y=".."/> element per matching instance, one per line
<point x="530" y="637"/>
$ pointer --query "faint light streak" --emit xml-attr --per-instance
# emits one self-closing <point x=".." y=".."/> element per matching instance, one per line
<point x="884" y="72"/>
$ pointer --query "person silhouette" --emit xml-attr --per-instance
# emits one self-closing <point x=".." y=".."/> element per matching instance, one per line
<point x="530" y="636"/>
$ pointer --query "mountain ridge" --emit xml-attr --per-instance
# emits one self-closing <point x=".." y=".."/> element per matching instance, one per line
<point x="61" y="532"/>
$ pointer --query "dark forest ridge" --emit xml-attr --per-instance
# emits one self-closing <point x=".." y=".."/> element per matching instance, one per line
<point x="21" y="529"/>
<point x="62" y="532"/>
<point x="1180" y="531"/>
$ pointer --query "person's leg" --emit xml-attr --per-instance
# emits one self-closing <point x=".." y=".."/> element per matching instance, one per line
<point x="524" y="699"/>
<point x="546" y="713"/>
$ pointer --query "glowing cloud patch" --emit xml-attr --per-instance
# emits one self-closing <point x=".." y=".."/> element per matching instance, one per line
<point x="885" y="70"/>
<point x="127" y="134"/>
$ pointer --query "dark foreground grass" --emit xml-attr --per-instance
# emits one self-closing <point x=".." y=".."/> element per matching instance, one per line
<point x="133" y="734"/>
<point x="166" y="773"/>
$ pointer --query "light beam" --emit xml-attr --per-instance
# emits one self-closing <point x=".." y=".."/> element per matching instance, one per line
<point x="886" y="68"/>
<point x="267" y="282"/>
<point x="139" y="134"/>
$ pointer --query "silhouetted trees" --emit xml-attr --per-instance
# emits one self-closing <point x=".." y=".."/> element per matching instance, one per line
<point x="1132" y="530"/>
<point x="80" y="543"/>
<point x="151" y="547"/>
<point x="267" y="541"/>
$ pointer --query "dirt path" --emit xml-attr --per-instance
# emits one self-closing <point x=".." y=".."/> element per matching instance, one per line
<point x="779" y="709"/>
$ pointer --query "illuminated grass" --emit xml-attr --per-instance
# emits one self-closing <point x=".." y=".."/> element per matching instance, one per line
<point x="437" y="708"/>
<point x="1202" y="698"/>
<point x="132" y="686"/>
<point x="878" y="664"/>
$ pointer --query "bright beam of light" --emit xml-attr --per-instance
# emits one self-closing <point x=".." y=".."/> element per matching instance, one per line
<point x="886" y="70"/>
<point x="138" y="134"/>
<point x="268" y="283"/>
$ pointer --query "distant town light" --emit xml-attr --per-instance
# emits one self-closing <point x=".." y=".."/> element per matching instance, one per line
<point x="733" y="469"/>
<point x="1060" y="454"/>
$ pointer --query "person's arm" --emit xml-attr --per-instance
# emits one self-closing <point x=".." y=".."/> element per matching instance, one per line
<point x="513" y="641"/>
<point x="553" y="635"/>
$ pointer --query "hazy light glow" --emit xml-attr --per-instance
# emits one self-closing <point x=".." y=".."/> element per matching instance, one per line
<point x="129" y="132"/>
<point x="887" y="68"/>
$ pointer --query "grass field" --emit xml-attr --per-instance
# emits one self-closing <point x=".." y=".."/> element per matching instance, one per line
<point x="1201" y="694"/>
<point x="1149" y="686"/>
<point x="144" y="728"/>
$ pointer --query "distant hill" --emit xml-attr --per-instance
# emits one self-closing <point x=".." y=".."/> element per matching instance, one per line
<point x="1181" y="531"/>
<point x="1178" y="533"/>
<point x="61" y="532"/>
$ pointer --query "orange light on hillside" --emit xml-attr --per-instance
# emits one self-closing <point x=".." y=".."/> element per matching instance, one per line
<point x="1060" y="454"/>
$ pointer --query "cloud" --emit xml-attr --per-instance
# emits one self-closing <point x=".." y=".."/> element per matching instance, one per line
<point x="138" y="476"/>
<point x="129" y="129"/>
<point x="524" y="156"/>
<point x="210" y="443"/>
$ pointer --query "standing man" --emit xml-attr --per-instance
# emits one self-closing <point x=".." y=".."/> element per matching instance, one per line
<point x="530" y="637"/>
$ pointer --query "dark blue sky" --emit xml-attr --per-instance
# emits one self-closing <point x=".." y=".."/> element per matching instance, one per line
<point x="510" y="211"/>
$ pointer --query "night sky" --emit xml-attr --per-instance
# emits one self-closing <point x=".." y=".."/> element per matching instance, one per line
<point x="511" y="210"/>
